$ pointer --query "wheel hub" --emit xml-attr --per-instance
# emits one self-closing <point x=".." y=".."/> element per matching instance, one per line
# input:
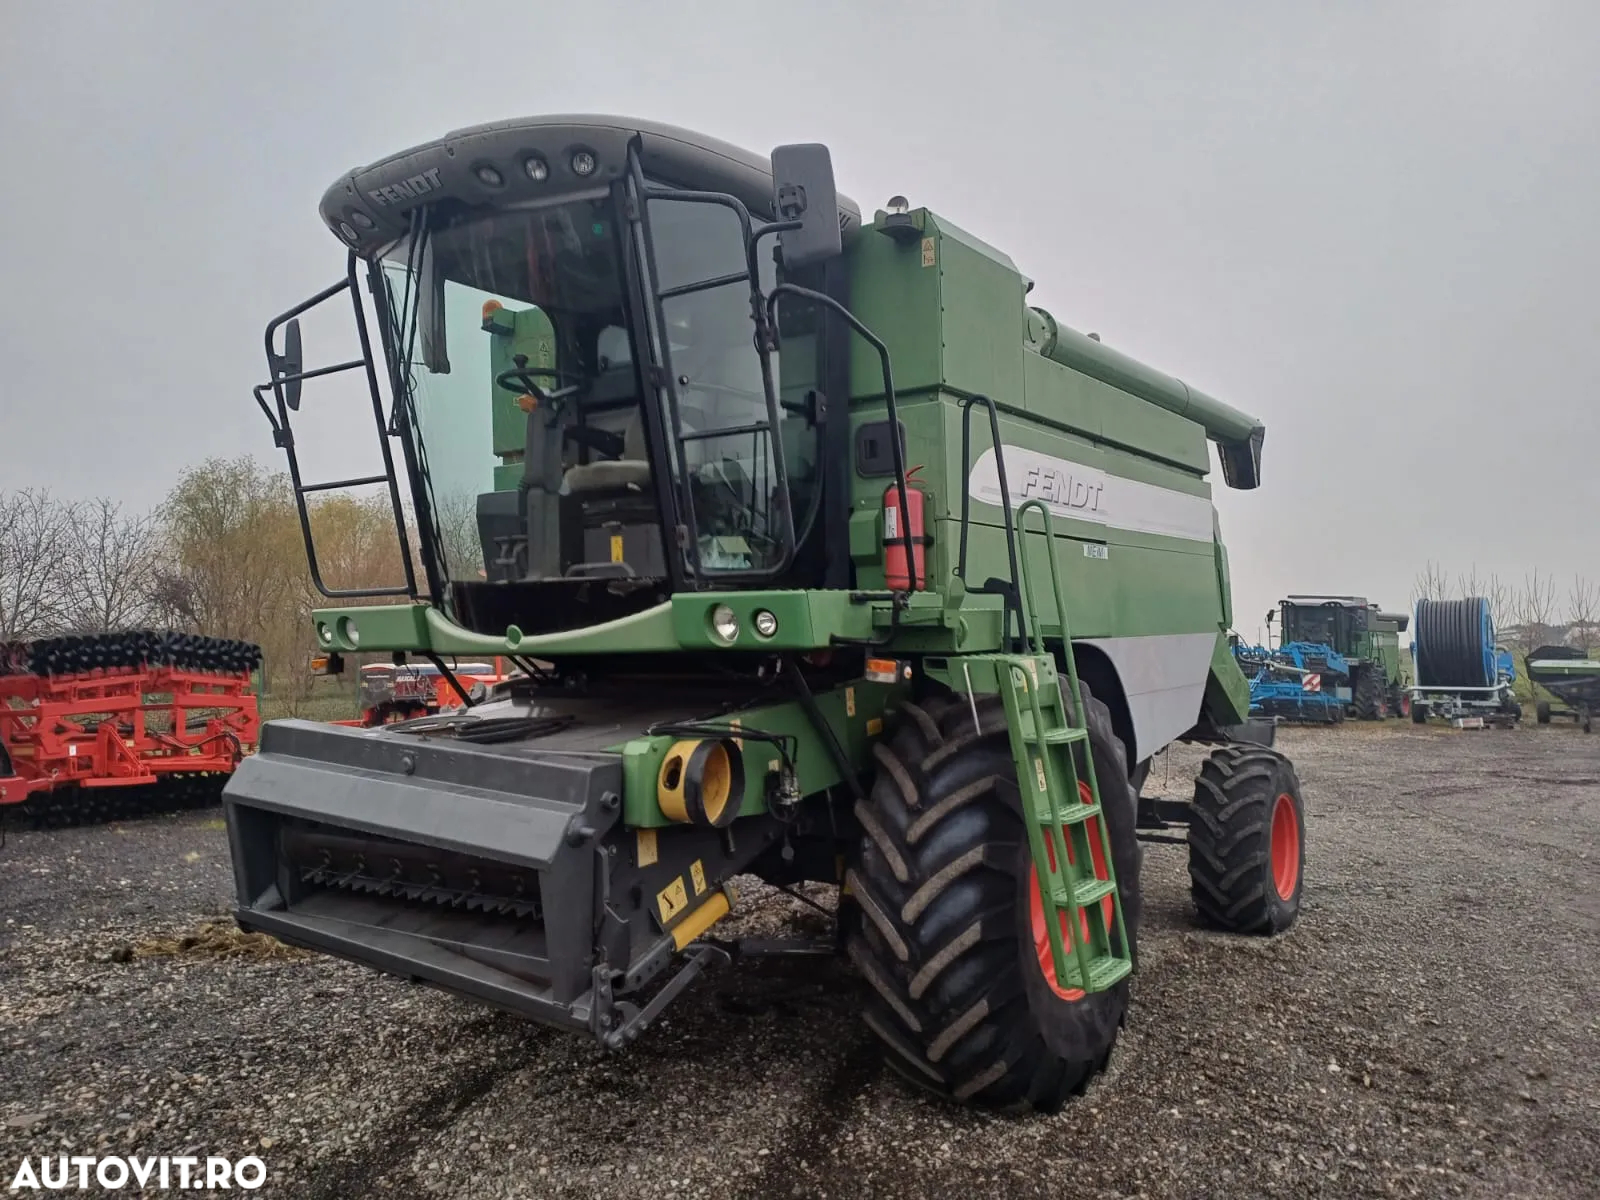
<point x="1285" y="847"/>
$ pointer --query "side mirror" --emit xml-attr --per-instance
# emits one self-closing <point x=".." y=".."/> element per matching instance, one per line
<point x="290" y="363"/>
<point x="803" y="191"/>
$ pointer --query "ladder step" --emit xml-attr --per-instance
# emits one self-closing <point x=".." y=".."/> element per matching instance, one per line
<point x="1108" y="971"/>
<point x="1072" y="813"/>
<point x="1055" y="737"/>
<point x="1090" y="891"/>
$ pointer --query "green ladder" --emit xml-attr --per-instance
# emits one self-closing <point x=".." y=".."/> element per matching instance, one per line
<point x="1057" y="804"/>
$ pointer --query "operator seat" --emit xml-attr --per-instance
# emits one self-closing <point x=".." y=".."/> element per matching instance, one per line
<point x="631" y="471"/>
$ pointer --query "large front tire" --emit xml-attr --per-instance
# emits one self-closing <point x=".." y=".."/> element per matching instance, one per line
<point x="1247" y="846"/>
<point x="943" y="927"/>
<point x="1371" y="698"/>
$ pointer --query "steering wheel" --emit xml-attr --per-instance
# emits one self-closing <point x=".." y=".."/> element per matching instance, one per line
<point x="522" y="376"/>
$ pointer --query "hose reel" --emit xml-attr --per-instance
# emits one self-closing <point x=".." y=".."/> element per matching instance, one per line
<point x="1455" y="644"/>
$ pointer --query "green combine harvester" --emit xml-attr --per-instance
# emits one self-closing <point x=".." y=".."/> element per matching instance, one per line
<point x="1370" y="682"/>
<point x="779" y="606"/>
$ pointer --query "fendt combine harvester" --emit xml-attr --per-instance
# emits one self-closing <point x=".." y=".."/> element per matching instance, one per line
<point x="122" y="724"/>
<point x="779" y="606"/>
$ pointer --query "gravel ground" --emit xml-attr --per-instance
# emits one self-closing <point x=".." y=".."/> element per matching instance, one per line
<point x="1429" y="1028"/>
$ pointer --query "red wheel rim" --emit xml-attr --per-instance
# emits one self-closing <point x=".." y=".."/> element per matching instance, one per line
<point x="1405" y="706"/>
<point x="1036" y="914"/>
<point x="1285" y="847"/>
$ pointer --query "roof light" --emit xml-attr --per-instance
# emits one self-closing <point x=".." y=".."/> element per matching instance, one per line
<point x="583" y="163"/>
<point x="489" y="176"/>
<point x="537" y="169"/>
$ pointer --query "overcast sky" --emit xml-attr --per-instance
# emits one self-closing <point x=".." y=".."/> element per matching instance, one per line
<point x="1373" y="225"/>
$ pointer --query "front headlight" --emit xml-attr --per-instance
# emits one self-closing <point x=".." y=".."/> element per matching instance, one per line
<point x="725" y="623"/>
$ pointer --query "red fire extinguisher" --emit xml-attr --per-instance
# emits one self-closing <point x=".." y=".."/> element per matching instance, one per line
<point x="895" y="531"/>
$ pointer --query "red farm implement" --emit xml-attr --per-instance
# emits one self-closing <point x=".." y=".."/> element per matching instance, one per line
<point x="122" y="724"/>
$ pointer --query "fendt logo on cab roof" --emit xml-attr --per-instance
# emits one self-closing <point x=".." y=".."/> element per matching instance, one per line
<point x="391" y="194"/>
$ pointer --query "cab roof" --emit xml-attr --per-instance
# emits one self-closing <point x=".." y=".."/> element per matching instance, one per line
<point x="530" y="158"/>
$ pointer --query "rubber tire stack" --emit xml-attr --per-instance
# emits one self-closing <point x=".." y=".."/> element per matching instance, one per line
<point x="940" y="926"/>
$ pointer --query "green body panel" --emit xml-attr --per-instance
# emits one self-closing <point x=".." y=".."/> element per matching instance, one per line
<point x="1227" y="690"/>
<point x="855" y="713"/>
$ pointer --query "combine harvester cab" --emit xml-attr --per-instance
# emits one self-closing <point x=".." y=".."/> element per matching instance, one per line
<point x="121" y="724"/>
<point x="820" y="557"/>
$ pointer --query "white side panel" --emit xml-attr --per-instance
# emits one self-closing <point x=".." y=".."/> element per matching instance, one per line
<point x="1071" y="489"/>
<point x="1164" y="676"/>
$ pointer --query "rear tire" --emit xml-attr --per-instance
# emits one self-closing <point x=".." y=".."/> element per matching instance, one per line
<point x="1247" y="847"/>
<point x="1419" y="713"/>
<point x="942" y="928"/>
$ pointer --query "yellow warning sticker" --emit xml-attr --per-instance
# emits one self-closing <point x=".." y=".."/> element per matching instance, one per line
<point x="735" y="725"/>
<point x="849" y="702"/>
<point x="646" y="848"/>
<point x="672" y="900"/>
<point x="927" y="252"/>
<point x="1038" y="768"/>
<point x="697" y="873"/>
<point x="874" y="726"/>
<point x="616" y="547"/>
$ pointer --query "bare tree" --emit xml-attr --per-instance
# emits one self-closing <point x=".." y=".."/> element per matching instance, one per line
<point x="456" y="516"/>
<point x="1583" y="606"/>
<point x="1469" y="584"/>
<point x="1502" y="602"/>
<point x="1535" y="608"/>
<point x="113" y="562"/>
<point x="36" y="577"/>
<point x="1431" y="583"/>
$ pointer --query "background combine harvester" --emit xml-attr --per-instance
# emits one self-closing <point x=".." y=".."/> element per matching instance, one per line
<point x="1336" y="656"/>
<point x="119" y="724"/>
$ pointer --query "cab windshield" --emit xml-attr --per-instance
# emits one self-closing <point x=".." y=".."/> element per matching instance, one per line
<point x="530" y="490"/>
<point x="1318" y="625"/>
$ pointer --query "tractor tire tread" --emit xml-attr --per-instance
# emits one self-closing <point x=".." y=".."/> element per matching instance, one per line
<point x="1230" y="836"/>
<point x="939" y="940"/>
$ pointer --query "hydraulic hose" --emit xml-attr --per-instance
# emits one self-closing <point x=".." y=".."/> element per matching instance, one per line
<point x="1455" y="643"/>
